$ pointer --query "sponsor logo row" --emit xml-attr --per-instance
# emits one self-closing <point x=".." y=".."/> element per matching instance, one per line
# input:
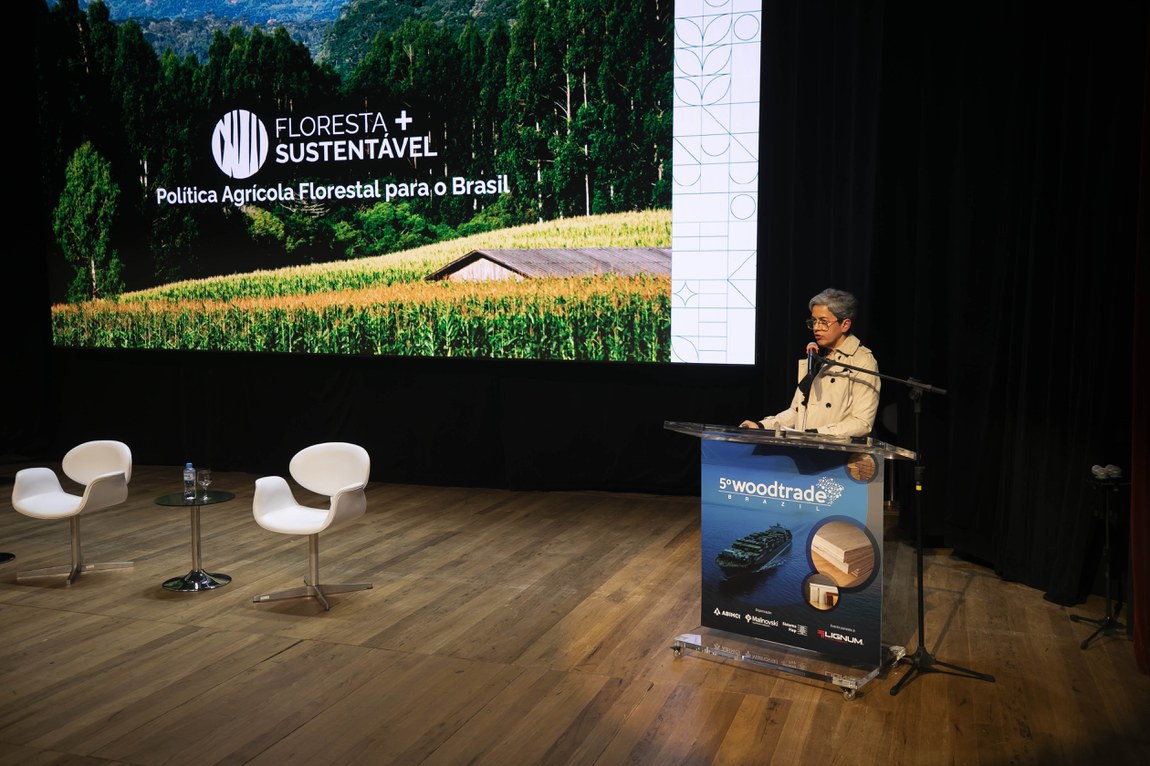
<point x="790" y="627"/>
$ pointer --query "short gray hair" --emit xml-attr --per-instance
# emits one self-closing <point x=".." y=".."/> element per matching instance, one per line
<point x="839" y="302"/>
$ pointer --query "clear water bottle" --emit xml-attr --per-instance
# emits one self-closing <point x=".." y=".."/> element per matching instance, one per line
<point x="189" y="482"/>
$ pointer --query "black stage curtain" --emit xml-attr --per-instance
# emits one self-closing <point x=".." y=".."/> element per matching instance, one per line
<point x="1140" y="445"/>
<point x="1007" y="224"/>
<point x="969" y="170"/>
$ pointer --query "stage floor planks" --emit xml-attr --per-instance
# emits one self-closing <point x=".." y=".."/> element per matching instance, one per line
<point x="505" y="628"/>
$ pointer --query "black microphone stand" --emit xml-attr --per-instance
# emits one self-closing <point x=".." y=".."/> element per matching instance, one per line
<point x="1109" y="624"/>
<point x="921" y="661"/>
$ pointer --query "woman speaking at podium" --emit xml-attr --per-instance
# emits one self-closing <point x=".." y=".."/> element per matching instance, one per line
<point x="831" y="399"/>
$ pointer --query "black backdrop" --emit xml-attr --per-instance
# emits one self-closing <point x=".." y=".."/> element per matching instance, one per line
<point x="970" y="170"/>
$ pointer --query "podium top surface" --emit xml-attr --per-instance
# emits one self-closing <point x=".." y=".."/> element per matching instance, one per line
<point x="790" y="438"/>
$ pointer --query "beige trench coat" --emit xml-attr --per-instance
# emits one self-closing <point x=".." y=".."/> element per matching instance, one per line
<point x="842" y="402"/>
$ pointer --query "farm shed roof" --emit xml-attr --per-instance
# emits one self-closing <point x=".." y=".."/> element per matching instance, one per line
<point x="566" y="262"/>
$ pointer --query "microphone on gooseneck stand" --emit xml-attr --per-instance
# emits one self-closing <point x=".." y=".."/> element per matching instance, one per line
<point x="812" y="359"/>
<point x="812" y="368"/>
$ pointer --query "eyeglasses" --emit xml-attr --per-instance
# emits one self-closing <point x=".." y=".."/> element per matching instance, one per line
<point x="820" y="323"/>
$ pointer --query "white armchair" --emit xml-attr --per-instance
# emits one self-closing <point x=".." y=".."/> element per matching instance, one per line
<point x="104" y="468"/>
<point x="337" y="469"/>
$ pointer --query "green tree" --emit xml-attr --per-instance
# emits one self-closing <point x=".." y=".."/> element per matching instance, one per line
<point x="632" y="143"/>
<point x="63" y="62"/>
<point x="491" y="82"/>
<point x="407" y="70"/>
<point x="388" y="227"/>
<point x="264" y="226"/>
<point x="173" y="230"/>
<point x="82" y="223"/>
<point x="134" y="77"/>
<point x="528" y="105"/>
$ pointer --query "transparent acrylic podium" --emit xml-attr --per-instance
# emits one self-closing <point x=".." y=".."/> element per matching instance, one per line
<point x="792" y="553"/>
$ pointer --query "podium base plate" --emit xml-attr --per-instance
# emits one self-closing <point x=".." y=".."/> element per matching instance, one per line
<point x="718" y="644"/>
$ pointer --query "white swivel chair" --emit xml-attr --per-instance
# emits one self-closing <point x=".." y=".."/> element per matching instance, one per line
<point x="336" y="469"/>
<point x="104" y="468"/>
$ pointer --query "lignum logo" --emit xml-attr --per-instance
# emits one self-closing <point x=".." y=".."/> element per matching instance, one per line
<point x="240" y="144"/>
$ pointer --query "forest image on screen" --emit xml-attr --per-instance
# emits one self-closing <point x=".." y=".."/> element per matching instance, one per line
<point x="511" y="179"/>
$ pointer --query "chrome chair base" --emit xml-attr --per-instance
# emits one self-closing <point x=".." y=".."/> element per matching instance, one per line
<point x="318" y="591"/>
<point x="312" y="586"/>
<point x="72" y="570"/>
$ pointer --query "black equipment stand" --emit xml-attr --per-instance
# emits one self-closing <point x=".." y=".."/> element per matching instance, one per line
<point x="1108" y="625"/>
<point x="921" y="661"/>
<point x="6" y="557"/>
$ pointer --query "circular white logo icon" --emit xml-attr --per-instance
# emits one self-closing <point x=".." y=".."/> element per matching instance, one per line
<point x="240" y="144"/>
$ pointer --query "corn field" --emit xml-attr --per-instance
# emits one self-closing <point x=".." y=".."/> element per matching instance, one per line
<point x="384" y="307"/>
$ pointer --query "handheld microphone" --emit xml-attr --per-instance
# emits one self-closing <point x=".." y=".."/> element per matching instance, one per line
<point x="812" y="353"/>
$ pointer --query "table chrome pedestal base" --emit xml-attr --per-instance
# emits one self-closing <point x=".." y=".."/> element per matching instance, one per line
<point x="197" y="580"/>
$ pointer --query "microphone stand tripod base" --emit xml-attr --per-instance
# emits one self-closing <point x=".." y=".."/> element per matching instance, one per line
<point x="1107" y="626"/>
<point x="921" y="661"/>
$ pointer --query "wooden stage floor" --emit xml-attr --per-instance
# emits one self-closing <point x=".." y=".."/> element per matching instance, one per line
<point x="506" y="628"/>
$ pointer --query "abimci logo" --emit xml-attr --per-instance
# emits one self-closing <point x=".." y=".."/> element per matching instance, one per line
<point x="240" y="144"/>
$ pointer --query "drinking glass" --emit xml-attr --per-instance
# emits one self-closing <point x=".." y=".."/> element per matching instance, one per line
<point x="204" y="477"/>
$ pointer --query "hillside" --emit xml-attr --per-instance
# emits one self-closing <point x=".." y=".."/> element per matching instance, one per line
<point x="254" y="11"/>
<point x="338" y="32"/>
